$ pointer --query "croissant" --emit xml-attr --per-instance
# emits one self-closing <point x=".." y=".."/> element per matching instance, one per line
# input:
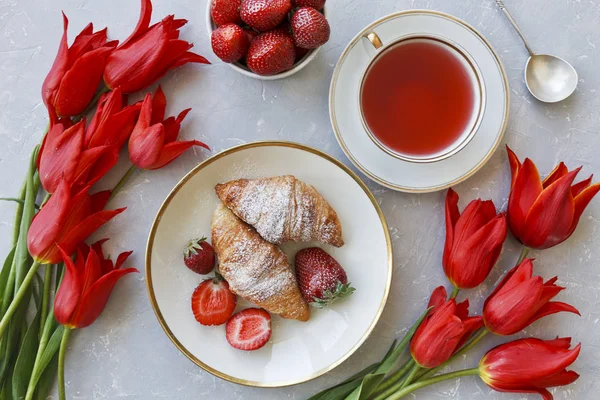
<point x="282" y="208"/>
<point x="255" y="269"/>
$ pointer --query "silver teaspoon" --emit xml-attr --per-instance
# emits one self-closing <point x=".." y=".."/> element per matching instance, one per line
<point x="549" y="78"/>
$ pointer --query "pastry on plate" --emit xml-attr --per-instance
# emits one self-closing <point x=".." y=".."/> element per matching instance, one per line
<point x="282" y="208"/>
<point x="255" y="269"/>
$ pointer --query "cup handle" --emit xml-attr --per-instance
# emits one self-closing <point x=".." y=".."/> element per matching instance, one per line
<point x="372" y="43"/>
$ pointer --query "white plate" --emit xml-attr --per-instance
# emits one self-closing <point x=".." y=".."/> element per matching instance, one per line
<point x="297" y="351"/>
<point x="386" y="169"/>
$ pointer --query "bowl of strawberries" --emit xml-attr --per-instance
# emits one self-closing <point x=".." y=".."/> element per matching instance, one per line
<point x="267" y="39"/>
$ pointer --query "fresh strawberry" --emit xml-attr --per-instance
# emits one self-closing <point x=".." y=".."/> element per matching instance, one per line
<point x="225" y="12"/>
<point x="230" y="42"/>
<point x="271" y="53"/>
<point x="249" y="329"/>
<point x="264" y="15"/>
<point x="316" y="4"/>
<point x="320" y="277"/>
<point x="199" y="256"/>
<point x="309" y="28"/>
<point x="212" y="302"/>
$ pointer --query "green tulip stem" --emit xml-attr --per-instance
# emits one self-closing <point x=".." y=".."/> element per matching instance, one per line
<point x="122" y="181"/>
<point x="61" y="363"/>
<point x="383" y="390"/>
<point x="23" y="289"/>
<point x="46" y="295"/>
<point x="524" y="252"/>
<point x="455" y="292"/>
<point x="436" y="379"/>
<point x="45" y="336"/>
<point x="472" y="343"/>
<point x="411" y="376"/>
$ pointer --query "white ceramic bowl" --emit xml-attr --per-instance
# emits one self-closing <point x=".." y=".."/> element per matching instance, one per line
<point x="242" y="69"/>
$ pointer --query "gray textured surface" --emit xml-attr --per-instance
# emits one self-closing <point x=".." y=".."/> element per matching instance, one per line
<point x="125" y="354"/>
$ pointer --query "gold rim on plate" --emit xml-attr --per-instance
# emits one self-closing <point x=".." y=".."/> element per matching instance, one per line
<point x="336" y="129"/>
<point x="170" y="197"/>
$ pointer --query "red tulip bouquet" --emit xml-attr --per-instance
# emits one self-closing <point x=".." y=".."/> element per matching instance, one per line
<point x="49" y="253"/>
<point x="540" y="214"/>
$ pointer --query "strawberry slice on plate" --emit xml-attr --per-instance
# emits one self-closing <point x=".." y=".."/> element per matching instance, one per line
<point x="249" y="329"/>
<point x="213" y="302"/>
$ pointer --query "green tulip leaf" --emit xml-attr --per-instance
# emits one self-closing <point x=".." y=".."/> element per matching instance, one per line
<point x="26" y="358"/>
<point x="46" y="381"/>
<point x="48" y="354"/>
<point x="5" y="273"/>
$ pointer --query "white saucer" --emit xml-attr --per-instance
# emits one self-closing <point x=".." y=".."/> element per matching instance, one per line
<point x="297" y="351"/>
<point x="386" y="169"/>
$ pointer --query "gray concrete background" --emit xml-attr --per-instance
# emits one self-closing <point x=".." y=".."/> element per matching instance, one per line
<point x="125" y="354"/>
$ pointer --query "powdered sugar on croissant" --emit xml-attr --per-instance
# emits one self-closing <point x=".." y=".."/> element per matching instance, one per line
<point x="254" y="268"/>
<point x="282" y="208"/>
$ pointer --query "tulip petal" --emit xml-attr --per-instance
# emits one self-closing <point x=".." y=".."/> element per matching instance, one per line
<point x="470" y="326"/>
<point x="438" y="297"/>
<point x="173" y="125"/>
<point x="462" y="309"/>
<point x="159" y="106"/>
<point x="88" y="226"/>
<point x="145" y="149"/>
<point x="99" y="200"/>
<point x="579" y="187"/>
<point x="473" y="259"/>
<point x="563" y="378"/>
<point x="581" y="202"/>
<point x="515" y="164"/>
<point x="552" y="308"/>
<point x="189" y="57"/>
<point x="62" y="149"/>
<point x="519" y="274"/>
<point x="559" y="171"/>
<point x="526" y="189"/>
<point x="134" y="67"/>
<point x="100" y="168"/>
<point x="122" y="258"/>
<point x="452" y="215"/>
<point x="95" y="298"/>
<point x="59" y="67"/>
<point x="79" y="84"/>
<point x="69" y="292"/>
<point x="551" y="216"/>
<point x="143" y="22"/>
<point x="173" y="150"/>
<point x="47" y="224"/>
<point x="93" y="270"/>
<point x="509" y="312"/>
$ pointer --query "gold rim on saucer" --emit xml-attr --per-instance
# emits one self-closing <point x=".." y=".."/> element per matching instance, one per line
<point x="333" y="117"/>
<point x="474" y="123"/>
<point x="170" y="197"/>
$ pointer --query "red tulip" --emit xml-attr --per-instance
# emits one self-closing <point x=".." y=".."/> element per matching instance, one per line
<point x="66" y="220"/>
<point x="87" y="285"/>
<point x="444" y="330"/>
<point x="529" y="366"/>
<point x="113" y="121"/>
<point x="77" y="71"/>
<point x="64" y="156"/>
<point x="542" y="214"/>
<point x="473" y="241"/>
<point x="149" y="53"/>
<point x="520" y="299"/>
<point x="152" y="144"/>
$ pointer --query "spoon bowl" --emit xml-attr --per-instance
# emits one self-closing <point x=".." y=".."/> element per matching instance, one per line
<point x="549" y="78"/>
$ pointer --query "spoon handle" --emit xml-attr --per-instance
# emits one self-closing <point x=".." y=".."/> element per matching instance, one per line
<point x="500" y="4"/>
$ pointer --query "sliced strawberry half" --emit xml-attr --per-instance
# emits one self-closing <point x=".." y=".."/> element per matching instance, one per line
<point x="249" y="329"/>
<point x="212" y="302"/>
